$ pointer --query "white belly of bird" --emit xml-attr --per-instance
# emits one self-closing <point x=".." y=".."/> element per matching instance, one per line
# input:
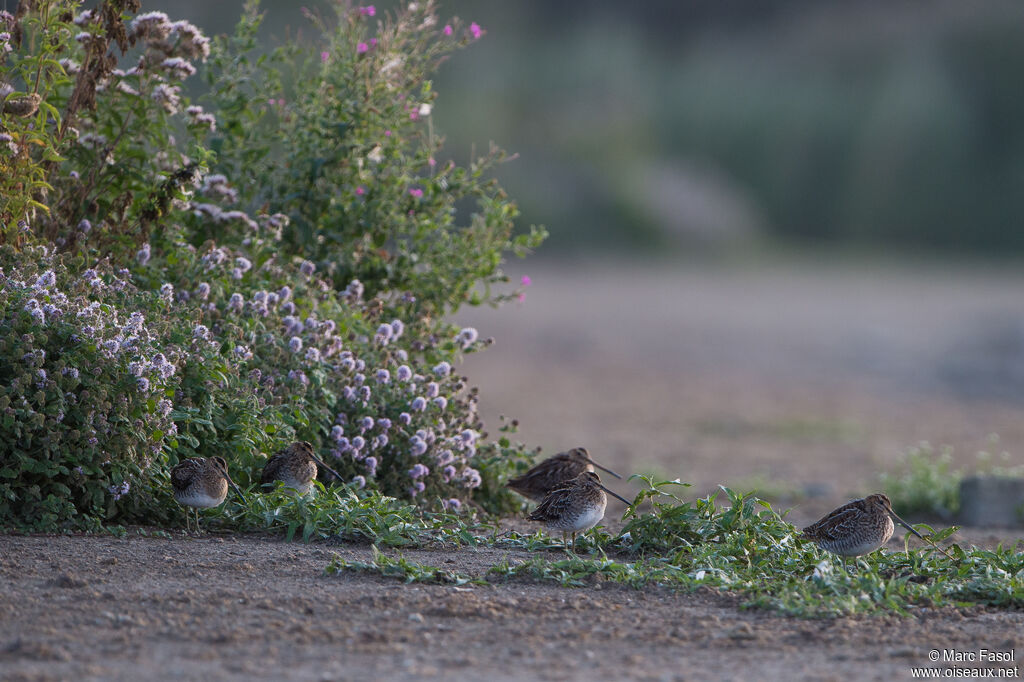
<point x="588" y="518"/>
<point x="198" y="500"/>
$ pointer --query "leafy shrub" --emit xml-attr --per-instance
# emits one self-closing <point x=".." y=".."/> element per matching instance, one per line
<point x="361" y="178"/>
<point x="293" y="358"/>
<point x="83" y="391"/>
<point x="300" y="297"/>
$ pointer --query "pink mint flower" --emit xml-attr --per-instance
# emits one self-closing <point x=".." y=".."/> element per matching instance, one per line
<point x="448" y="29"/>
<point x="416" y="192"/>
<point x="362" y="48"/>
<point x="324" y="56"/>
<point x="526" y="281"/>
<point x="373" y="42"/>
<point x="368" y="11"/>
<point x="475" y="29"/>
<point x="360" y="190"/>
<point x="387" y="133"/>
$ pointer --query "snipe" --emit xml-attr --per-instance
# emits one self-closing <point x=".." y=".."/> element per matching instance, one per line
<point x="858" y="527"/>
<point x="554" y="472"/>
<point x="296" y="466"/>
<point x="576" y="506"/>
<point x="201" y="483"/>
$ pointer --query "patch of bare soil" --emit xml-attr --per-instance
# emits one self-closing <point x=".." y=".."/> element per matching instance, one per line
<point x="99" y="608"/>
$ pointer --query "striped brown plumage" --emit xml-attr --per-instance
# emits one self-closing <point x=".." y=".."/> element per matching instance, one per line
<point x="201" y="483"/>
<point x="576" y="506"/>
<point x="858" y="527"/>
<point x="554" y="472"/>
<point x="296" y="466"/>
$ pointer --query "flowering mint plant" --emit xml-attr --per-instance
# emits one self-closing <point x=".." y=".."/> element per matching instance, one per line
<point x="84" y="407"/>
<point x="281" y="355"/>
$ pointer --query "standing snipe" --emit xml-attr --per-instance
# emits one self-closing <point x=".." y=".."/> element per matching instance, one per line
<point x="296" y="466"/>
<point x="201" y="483"/>
<point x="858" y="527"/>
<point x="577" y="506"/>
<point x="554" y="472"/>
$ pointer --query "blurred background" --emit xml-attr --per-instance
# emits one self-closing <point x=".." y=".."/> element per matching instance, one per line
<point x="786" y="236"/>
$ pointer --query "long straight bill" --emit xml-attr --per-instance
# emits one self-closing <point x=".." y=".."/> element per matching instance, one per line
<point x="237" y="489"/>
<point x="320" y="462"/>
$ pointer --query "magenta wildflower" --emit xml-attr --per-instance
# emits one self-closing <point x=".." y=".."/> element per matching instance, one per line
<point x="368" y="11"/>
<point x="387" y="133"/>
<point x="526" y="281"/>
<point x="360" y="190"/>
<point x="362" y="48"/>
<point x="416" y="192"/>
<point x="324" y="56"/>
<point x="448" y="29"/>
<point x="475" y="29"/>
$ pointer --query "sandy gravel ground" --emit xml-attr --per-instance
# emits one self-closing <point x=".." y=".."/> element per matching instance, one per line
<point x="808" y="382"/>
<point x="96" y="608"/>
